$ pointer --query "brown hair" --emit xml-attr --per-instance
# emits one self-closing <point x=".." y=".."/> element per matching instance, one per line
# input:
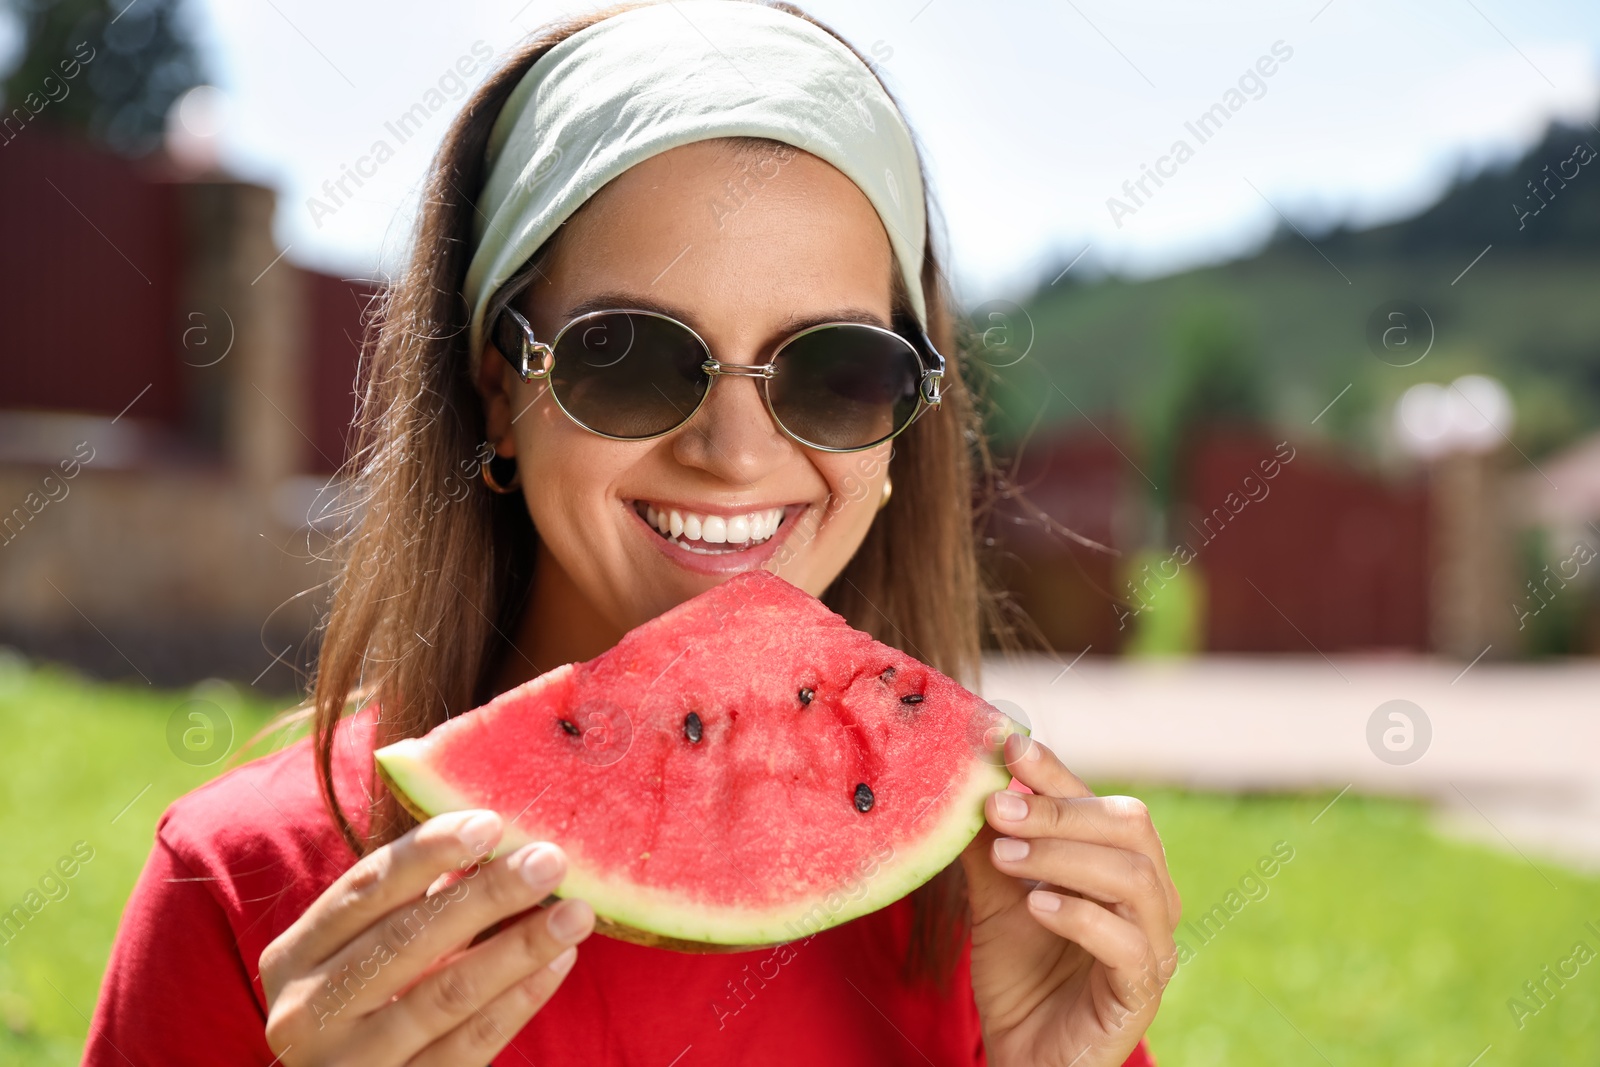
<point x="435" y="571"/>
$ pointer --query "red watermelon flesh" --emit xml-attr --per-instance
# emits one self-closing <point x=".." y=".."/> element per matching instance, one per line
<point x="745" y="769"/>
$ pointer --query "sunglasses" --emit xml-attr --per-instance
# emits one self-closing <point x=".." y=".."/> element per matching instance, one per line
<point x="632" y="375"/>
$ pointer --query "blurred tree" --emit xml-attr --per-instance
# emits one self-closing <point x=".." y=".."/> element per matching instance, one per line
<point x="1550" y="415"/>
<point x="1547" y="198"/>
<point x="1167" y="616"/>
<point x="132" y="59"/>
<point x="1554" y="617"/>
<point x="1215" y="377"/>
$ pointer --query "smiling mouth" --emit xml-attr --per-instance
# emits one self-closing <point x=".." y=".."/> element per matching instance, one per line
<point x="710" y="534"/>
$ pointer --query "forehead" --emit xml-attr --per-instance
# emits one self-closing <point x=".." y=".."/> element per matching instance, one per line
<point x="747" y="229"/>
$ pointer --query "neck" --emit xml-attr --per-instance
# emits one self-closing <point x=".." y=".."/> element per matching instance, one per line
<point x="559" y="626"/>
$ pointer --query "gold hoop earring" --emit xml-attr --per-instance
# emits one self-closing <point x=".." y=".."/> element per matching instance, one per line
<point x="495" y="485"/>
<point x="888" y="491"/>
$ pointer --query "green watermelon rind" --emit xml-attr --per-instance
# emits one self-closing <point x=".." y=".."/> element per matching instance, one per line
<point x="674" y="916"/>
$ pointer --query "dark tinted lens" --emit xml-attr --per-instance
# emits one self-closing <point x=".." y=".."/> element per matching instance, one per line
<point x="845" y="386"/>
<point x="628" y="374"/>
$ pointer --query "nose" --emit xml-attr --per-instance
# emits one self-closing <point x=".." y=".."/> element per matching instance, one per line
<point x="733" y="437"/>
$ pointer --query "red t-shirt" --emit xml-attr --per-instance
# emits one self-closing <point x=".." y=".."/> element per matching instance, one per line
<point x="239" y="859"/>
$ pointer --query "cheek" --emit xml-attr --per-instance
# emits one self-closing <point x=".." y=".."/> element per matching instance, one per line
<point x="855" y="481"/>
<point x="855" y="486"/>
<point x="567" y="472"/>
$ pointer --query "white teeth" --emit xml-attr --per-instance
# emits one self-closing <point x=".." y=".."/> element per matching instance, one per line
<point x="751" y="528"/>
<point x="763" y="524"/>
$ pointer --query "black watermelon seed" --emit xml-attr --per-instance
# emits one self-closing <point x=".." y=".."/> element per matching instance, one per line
<point x="863" y="798"/>
<point x="692" y="728"/>
<point x="888" y="672"/>
<point x="806" y="695"/>
<point x="570" y="727"/>
<point x="912" y="698"/>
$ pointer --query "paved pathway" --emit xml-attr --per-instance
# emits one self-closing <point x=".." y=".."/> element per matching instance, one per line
<point x="1514" y="756"/>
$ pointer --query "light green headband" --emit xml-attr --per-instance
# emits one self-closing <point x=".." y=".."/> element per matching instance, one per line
<point x="649" y="79"/>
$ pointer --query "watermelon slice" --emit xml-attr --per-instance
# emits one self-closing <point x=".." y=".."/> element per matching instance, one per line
<point x="744" y="770"/>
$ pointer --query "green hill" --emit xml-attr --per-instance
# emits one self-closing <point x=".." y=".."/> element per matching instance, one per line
<point x="1528" y="312"/>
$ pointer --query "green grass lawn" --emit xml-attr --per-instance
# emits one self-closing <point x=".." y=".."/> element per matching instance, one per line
<point x="75" y="765"/>
<point x="1378" y="942"/>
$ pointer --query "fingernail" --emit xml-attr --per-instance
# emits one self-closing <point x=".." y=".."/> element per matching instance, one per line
<point x="1042" y="901"/>
<point x="539" y="863"/>
<point x="1023" y="748"/>
<point x="570" y="920"/>
<point x="1009" y="805"/>
<point x="563" y="963"/>
<point x="1014" y="745"/>
<point x="1010" y="849"/>
<point x="480" y="831"/>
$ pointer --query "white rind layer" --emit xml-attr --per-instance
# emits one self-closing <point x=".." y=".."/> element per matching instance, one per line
<point x="676" y="915"/>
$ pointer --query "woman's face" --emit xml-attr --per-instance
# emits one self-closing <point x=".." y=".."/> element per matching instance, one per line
<point x="745" y="248"/>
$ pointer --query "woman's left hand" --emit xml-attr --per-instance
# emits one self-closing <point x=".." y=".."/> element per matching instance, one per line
<point x="1070" y="972"/>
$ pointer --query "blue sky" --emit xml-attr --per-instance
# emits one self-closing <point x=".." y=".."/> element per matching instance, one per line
<point x="1033" y="114"/>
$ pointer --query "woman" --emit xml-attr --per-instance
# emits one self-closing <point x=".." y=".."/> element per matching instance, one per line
<point x="742" y="177"/>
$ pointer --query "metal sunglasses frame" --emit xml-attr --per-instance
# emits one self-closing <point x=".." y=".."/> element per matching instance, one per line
<point x="537" y="360"/>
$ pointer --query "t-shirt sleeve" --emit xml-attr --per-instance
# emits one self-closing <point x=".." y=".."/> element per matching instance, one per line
<point x="1140" y="1057"/>
<point x="176" y="991"/>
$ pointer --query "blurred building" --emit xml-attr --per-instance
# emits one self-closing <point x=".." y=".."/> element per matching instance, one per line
<point x="1065" y="510"/>
<point x="1297" y="549"/>
<point x="174" y="394"/>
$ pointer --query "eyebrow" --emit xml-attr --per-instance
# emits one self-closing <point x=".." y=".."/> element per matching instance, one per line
<point x="796" y="322"/>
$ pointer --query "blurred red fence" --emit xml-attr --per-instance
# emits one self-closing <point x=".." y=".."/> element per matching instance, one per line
<point x="1320" y="554"/>
<point x="124" y="279"/>
<point x="90" y="271"/>
<point x="1330" y="559"/>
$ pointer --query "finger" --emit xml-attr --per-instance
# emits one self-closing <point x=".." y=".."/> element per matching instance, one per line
<point x="492" y="1026"/>
<point x="453" y="994"/>
<point x="1041" y="770"/>
<point x="1121" y="822"/>
<point x="387" y="957"/>
<point x="377" y="884"/>
<point x="1126" y="880"/>
<point x="1133" y="972"/>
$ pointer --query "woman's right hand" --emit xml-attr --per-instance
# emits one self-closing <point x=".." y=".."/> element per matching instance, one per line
<point x="378" y="970"/>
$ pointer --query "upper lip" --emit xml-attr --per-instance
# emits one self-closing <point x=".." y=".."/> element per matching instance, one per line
<point x="724" y="510"/>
